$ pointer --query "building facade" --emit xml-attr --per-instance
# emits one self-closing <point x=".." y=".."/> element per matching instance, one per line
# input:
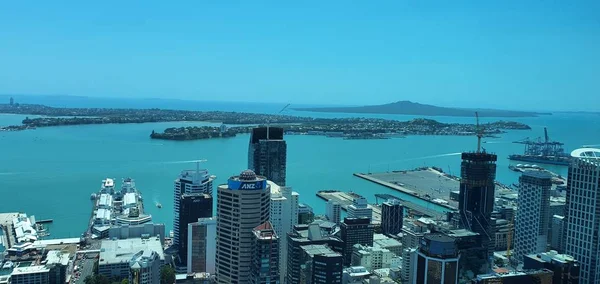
<point x="373" y="258"/>
<point x="193" y="206"/>
<point x="532" y="223"/>
<point x="476" y="203"/>
<point x="121" y="258"/>
<point x="333" y="211"/>
<point x="189" y="181"/>
<point x="360" y="209"/>
<point x="145" y="268"/>
<point x="355" y="231"/>
<point x="321" y="265"/>
<point x="267" y="153"/>
<point x="283" y="217"/>
<point x="582" y="213"/>
<point x="242" y="205"/>
<point x="437" y="260"/>
<point x="202" y="244"/>
<point x="543" y="276"/>
<point x="265" y="262"/>
<point x="564" y="267"/>
<point x="556" y="241"/>
<point x="392" y="214"/>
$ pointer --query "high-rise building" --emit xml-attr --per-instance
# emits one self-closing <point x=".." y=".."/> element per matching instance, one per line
<point x="305" y="214"/>
<point x="334" y="211"/>
<point x="476" y="203"/>
<point x="412" y="233"/>
<point x="360" y="209"/>
<point x="564" y="267"/>
<point x="265" y="257"/>
<point x="437" y="260"/>
<point x="531" y="228"/>
<point x="392" y="214"/>
<point x="582" y="213"/>
<point x="193" y="206"/>
<point x="242" y="205"/>
<point x="202" y="244"/>
<point x="355" y="231"/>
<point x="543" y="276"/>
<point x="283" y="217"/>
<point x="321" y="265"/>
<point x="267" y="153"/>
<point x="557" y="226"/>
<point x="189" y="181"/>
<point x="304" y="235"/>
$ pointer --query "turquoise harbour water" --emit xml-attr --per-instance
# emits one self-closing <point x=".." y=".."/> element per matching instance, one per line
<point x="51" y="172"/>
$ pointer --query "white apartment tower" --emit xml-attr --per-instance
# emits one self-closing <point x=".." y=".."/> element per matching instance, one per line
<point x="283" y="217"/>
<point x="360" y="209"/>
<point x="533" y="215"/>
<point x="582" y="213"/>
<point x="334" y="211"/>
<point x="189" y="181"/>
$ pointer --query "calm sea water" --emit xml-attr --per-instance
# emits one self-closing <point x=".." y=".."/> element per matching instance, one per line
<point x="51" y="172"/>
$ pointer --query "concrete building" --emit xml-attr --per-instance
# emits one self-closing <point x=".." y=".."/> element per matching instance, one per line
<point x="582" y="213"/>
<point x="283" y="217"/>
<point x="137" y="231"/>
<point x="556" y="242"/>
<point x="189" y="182"/>
<point x="305" y="214"/>
<point x="392" y="214"/>
<point x="476" y="203"/>
<point x="144" y="267"/>
<point x="242" y="205"/>
<point x="355" y="231"/>
<point x="360" y="209"/>
<point x="374" y="257"/>
<point x="265" y="257"/>
<point x="412" y="233"/>
<point x="391" y="244"/>
<point x="193" y="206"/>
<point x="118" y="257"/>
<point x="304" y="235"/>
<point x="267" y="153"/>
<point x="321" y="265"/>
<point x="543" y="276"/>
<point x="564" y="267"/>
<point x="52" y="270"/>
<point x="355" y="274"/>
<point x="531" y="230"/>
<point x="334" y="212"/>
<point x="37" y="274"/>
<point x="502" y="230"/>
<point x="202" y="246"/>
<point x="437" y="260"/>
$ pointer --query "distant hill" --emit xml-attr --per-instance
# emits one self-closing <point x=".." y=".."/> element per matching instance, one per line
<point x="411" y="108"/>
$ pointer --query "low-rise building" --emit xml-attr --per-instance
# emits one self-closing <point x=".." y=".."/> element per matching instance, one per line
<point x="374" y="257"/>
<point x="118" y="258"/>
<point x="543" y="276"/>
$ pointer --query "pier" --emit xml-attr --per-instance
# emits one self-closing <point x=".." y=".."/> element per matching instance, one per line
<point x="44" y="221"/>
<point x="7" y="228"/>
<point x="345" y="199"/>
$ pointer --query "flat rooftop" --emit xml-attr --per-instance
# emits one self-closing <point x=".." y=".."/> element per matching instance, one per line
<point x="119" y="251"/>
<point x="30" y="269"/>
<point x="313" y="250"/>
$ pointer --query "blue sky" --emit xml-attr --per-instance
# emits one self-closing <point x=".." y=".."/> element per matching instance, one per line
<point x="504" y="54"/>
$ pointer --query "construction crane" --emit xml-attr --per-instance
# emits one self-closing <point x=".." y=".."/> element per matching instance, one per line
<point x="479" y="132"/>
<point x="269" y="121"/>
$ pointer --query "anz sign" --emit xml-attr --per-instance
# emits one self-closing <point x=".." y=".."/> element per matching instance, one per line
<point x="240" y="185"/>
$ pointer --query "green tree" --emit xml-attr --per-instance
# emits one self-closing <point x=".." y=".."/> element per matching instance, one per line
<point x="167" y="275"/>
<point x="89" y="280"/>
<point x="125" y="281"/>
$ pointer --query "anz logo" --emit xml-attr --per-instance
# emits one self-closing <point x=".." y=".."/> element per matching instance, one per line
<point x="251" y="185"/>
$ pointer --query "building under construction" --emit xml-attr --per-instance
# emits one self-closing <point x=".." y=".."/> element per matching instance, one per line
<point x="542" y="151"/>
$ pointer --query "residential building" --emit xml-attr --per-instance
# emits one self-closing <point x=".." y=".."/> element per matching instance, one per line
<point x="382" y="241"/>
<point x="242" y="205"/>
<point x="392" y="214"/>
<point x="564" y="267"/>
<point x="476" y="203"/>
<point x="360" y="209"/>
<point x="531" y="230"/>
<point x="355" y="231"/>
<point x="189" y="181"/>
<point x="265" y="262"/>
<point x="321" y="265"/>
<point x="334" y="211"/>
<point x="582" y="213"/>
<point x="202" y="246"/>
<point x="412" y="233"/>
<point x="193" y="206"/>
<point x="118" y="258"/>
<point x="304" y="235"/>
<point x="437" y="260"/>
<point x="283" y="217"/>
<point x="267" y="153"/>
<point x="543" y="276"/>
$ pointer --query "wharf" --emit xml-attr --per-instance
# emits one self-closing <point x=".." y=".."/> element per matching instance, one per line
<point x="345" y="199"/>
<point x="427" y="184"/>
<point x="6" y="226"/>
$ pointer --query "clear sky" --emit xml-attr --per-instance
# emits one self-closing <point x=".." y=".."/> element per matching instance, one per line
<point x="505" y="54"/>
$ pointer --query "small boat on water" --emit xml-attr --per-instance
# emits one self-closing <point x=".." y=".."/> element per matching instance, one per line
<point x="158" y="205"/>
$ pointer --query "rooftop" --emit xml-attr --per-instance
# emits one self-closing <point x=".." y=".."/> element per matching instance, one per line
<point x="57" y="257"/>
<point x="313" y="250"/>
<point x="30" y="269"/>
<point x="119" y="251"/>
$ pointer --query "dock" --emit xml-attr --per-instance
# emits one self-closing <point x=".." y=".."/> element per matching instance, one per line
<point x="427" y="184"/>
<point x="44" y="221"/>
<point x="6" y="226"/>
<point x="345" y="199"/>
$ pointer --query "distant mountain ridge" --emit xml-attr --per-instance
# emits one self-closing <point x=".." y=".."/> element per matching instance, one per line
<point x="412" y="108"/>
